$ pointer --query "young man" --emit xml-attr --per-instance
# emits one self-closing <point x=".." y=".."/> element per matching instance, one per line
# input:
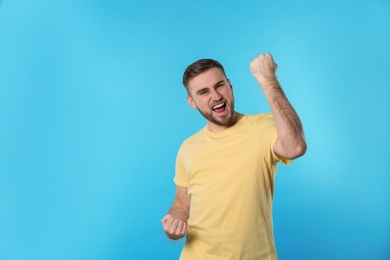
<point x="225" y="172"/>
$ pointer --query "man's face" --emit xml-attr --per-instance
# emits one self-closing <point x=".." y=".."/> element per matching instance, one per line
<point x="212" y="94"/>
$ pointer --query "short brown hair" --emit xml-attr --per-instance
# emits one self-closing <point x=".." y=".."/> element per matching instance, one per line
<point x="199" y="67"/>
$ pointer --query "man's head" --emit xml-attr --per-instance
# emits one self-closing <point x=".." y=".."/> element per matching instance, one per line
<point x="199" y="67"/>
<point x="211" y="93"/>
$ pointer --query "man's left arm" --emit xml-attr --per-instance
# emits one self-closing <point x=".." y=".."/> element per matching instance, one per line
<point x="290" y="143"/>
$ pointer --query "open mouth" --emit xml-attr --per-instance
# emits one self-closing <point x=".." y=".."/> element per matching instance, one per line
<point x="220" y="108"/>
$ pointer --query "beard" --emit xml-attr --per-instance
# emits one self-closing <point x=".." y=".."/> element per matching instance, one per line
<point x="225" y="121"/>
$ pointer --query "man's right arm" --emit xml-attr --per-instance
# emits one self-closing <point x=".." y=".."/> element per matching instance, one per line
<point x="175" y="222"/>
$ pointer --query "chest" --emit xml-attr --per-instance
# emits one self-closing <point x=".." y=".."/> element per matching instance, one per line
<point x="222" y="163"/>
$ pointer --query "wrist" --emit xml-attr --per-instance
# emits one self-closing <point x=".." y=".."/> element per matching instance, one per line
<point x="179" y="213"/>
<point x="266" y="80"/>
<point x="270" y="82"/>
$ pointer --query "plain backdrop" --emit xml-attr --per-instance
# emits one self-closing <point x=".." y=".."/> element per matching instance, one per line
<point x="92" y="113"/>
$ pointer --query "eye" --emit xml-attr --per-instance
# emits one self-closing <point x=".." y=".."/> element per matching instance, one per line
<point x="220" y="85"/>
<point x="202" y="92"/>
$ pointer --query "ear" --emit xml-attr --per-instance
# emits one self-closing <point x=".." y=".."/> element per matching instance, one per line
<point x="191" y="102"/>
<point x="230" y="84"/>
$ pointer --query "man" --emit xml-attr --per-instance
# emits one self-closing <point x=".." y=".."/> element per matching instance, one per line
<point x="225" y="172"/>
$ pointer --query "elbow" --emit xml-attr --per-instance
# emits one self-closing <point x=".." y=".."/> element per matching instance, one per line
<point x="302" y="148"/>
<point x="299" y="150"/>
<point x="291" y="150"/>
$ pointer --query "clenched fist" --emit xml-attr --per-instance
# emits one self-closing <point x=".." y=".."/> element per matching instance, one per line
<point x="174" y="227"/>
<point x="263" y="68"/>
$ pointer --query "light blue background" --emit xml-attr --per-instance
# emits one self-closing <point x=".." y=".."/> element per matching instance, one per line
<point x="92" y="112"/>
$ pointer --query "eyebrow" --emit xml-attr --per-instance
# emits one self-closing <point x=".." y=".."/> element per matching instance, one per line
<point x="216" y="84"/>
<point x="219" y="82"/>
<point x="201" y="90"/>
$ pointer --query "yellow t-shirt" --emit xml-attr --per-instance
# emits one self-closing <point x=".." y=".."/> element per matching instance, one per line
<point x="230" y="180"/>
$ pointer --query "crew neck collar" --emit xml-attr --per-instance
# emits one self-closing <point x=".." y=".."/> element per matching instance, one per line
<point x="227" y="131"/>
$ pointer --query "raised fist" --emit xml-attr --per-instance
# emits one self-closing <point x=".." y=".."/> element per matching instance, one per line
<point x="263" y="68"/>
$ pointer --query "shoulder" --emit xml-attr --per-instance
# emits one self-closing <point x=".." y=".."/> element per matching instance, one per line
<point x="195" y="138"/>
<point x="262" y="119"/>
<point x="260" y="116"/>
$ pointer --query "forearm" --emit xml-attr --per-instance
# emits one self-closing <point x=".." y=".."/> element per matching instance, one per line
<point x="175" y="222"/>
<point x="290" y="143"/>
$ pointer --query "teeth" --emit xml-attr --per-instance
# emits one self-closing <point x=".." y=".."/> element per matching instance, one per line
<point x="218" y="106"/>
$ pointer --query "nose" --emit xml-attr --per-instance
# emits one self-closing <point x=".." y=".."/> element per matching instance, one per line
<point x="215" y="95"/>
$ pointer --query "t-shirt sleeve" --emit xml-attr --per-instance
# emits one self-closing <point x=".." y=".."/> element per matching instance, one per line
<point x="276" y="156"/>
<point x="181" y="177"/>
